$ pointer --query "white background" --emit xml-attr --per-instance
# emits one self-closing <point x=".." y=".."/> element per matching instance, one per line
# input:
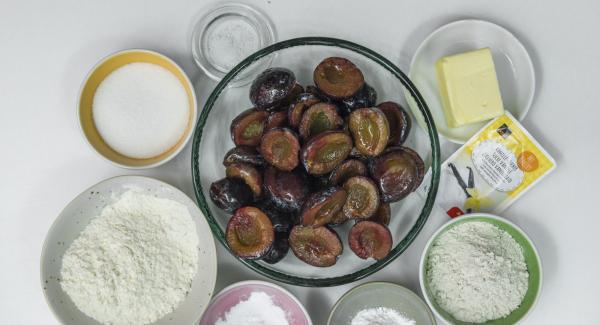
<point x="47" y="47"/>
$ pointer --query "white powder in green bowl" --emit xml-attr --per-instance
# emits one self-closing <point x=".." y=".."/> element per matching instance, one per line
<point x="477" y="272"/>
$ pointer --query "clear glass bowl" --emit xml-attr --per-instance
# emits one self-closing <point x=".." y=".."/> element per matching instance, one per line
<point x="227" y="20"/>
<point x="212" y="140"/>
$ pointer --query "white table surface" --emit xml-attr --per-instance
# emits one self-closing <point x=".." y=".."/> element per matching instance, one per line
<point x="47" y="47"/>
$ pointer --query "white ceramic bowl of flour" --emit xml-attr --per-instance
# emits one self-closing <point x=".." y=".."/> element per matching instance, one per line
<point x="78" y="214"/>
<point x="480" y="268"/>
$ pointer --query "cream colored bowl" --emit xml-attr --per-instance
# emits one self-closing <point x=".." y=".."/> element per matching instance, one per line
<point x="86" y="98"/>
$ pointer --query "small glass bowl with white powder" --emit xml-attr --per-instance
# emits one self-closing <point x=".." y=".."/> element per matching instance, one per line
<point x="380" y="303"/>
<point x="481" y="269"/>
<point x="226" y="35"/>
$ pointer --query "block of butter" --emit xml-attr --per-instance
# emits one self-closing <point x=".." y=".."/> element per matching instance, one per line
<point x="469" y="87"/>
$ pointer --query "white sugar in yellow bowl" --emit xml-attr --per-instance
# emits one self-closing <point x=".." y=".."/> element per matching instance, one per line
<point x="104" y="137"/>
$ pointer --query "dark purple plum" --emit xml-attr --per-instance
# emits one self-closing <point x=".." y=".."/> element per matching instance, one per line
<point x="398" y="121"/>
<point x="248" y="127"/>
<point x="287" y="190"/>
<point x="271" y="87"/>
<point x="244" y="154"/>
<point x="320" y="207"/>
<point x="230" y="194"/>
<point x="370" y="239"/>
<point x="249" y="233"/>
<point x="323" y="152"/>
<point x="338" y="77"/>
<point x="317" y="246"/>
<point x="370" y="130"/>
<point x="280" y="147"/>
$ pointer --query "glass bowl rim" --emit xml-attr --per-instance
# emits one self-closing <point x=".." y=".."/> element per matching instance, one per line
<point x="435" y="161"/>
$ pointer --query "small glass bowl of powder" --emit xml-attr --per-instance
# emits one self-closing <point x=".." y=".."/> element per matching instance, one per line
<point x="226" y="35"/>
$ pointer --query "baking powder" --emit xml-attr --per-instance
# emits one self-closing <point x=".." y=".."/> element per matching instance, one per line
<point x="381" y="316"/>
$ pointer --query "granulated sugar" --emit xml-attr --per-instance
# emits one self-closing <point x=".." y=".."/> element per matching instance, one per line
<point x="258" y="309"/>
<point x="477" y="272"/>
<point x="141" y="110"/>
<point x="381" y="316"/>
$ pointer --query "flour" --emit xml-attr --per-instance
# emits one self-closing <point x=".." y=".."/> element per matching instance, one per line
<point x="134" y="263"/>
<point x="477" y="272"/>
<point x="258" y="309"/>
<point x="380" y="316"/>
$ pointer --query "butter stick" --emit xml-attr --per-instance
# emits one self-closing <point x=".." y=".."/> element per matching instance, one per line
<point x="469" y="87"/>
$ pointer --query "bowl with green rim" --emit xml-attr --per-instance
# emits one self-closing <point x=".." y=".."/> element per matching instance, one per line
<point x="212" y="140"/>
<point x="532" y="259"/>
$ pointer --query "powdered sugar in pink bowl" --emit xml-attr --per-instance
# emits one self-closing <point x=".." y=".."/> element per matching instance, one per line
<point x="232" y="295"/>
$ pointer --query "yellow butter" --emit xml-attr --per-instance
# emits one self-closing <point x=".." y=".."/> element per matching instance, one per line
<point x="469" y="87"/>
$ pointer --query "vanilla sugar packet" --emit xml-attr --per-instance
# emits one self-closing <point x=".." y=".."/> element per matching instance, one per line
<point x="492" y="170"/>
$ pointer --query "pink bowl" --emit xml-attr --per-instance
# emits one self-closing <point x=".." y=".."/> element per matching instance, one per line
<point x="233" y="294"/>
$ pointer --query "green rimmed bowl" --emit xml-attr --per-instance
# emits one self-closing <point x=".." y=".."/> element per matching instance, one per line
<point x="532" y="259"/>
<point x="301" y="55"/>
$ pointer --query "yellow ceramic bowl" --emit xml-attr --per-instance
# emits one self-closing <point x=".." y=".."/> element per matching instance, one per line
<point x="86" y="97"/>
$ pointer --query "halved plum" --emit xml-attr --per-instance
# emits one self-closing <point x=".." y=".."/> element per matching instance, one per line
<point x="271" y="87"/>
<point x="318" y="182"/>
<point x="338" y="77"/>
<point x="355" y="154"/>
<point x="247" y="128"/>
<point x="287" y="190"/>
<point x="363" y="198"/>
<point x="370" y="130"/>
<point x="282" y="221"/>
<point x="314" y="90"/>
<point x="416" y="158"/>
<point x="249" y="233"/>
<point x="296" y="91"/>
<point x="383" y="214"/>
<point x="280" y="148"/>
<point x="297" y="108"/>
<point x="345" y="170"/>
<point x="317" y="246"/>
<point x="319" y="118"/>
<point x="397" y="172"/>
<point x="244" y="154"/>
<point x="338" y="219"/>
<point x="365" y="97"/>
<point x="277" y="119"/>
<point x="320" y="207"/>
<point x="279" y="249"/>
<point x="370" y="239"/>
<point x="249" y="174"/>
<point x="230" y="194"/>
<point x="323" y="152"/>
<point x="398" y="121"/>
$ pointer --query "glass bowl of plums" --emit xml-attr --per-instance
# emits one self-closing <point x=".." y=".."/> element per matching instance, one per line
<point x="315" y="174"/>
